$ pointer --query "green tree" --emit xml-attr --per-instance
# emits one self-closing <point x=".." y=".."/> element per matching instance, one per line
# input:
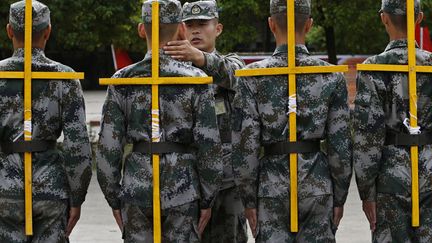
<point x="88" y="25"/>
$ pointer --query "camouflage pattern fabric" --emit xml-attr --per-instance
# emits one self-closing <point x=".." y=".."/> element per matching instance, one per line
<point x="228" y="223"/>
<point x="179" y="224"/>
<point x="261" y="118"/>
<point x="222" y="69"/>
<point x="394" y="219"/>
<point x="280" y="6"/>
<point x="398" y="7"/>
<point x="187" y="116"/>
<point x="200" y="10"/>
<point x="170" y="11"/>
<point x="41" y="16"/>
<point x="49" y="220"/>
<point x="315" y="220"/>
<point x="381" y="105"/>
<point x="58" y="106"/>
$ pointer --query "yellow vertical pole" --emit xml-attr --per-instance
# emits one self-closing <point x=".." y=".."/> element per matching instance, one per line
<point x="28" y="117"/>
<point x="292" y="91"/>
<point x="157" y="227"/>
<point x="413" y="111"/>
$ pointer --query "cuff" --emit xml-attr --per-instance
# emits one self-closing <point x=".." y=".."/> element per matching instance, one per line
<point x="368" y="194"/>
<point x="115" y="204"/>
<point x="76" y="201"/>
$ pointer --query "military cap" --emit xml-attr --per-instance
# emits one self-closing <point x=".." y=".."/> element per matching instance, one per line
<point x="398" y="7"/>
<point x="169" y="11"/>
<point x="41" y="16"/>
<point x="200" y="10"/>
<point x="280" y="6"/>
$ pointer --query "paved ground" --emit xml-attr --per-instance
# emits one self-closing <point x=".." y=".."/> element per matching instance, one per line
<point x="97" y="224"/>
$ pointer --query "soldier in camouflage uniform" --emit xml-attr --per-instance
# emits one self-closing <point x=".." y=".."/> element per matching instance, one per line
<point x="60" y="177"/>
<point x="262" y="106"/>
<point x="382" y="141"/>
<point x="201" y="18"/>
<point x="190" y="165"/>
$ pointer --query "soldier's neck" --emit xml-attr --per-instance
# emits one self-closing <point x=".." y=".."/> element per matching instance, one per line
<point x="282" y="40"/>
<point x="397" y="36"/>
<point x="149" y="45"/>
<point x="19" y="44"/>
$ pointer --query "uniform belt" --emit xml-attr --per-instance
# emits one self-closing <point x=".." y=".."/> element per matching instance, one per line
<point x="225" y="136"/>
<point x="27" y="146"/>
<point x="404" y="139"/>
<point x="292" y="147"/>
<point x="161" y="148"/>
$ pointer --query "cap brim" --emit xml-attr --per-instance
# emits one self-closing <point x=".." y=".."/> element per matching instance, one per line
<point x="198" y="18"/>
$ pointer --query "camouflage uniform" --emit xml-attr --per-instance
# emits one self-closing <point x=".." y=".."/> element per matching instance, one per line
<point x="322" y="113"/>
<point x="60" y="177"/>
<point x="228" y="223"/>
<point x="189" y="181"/>
<point x="383" y="170"/>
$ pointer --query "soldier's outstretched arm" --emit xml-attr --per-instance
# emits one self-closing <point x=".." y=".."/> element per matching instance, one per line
<point x="339" y="142"/>
<point x="110" y="147"/>
<point x="76" y="146"/>
<point x="207" y="139"/>
<point x="246" y="142"/>
<point x="369" y="133"/>
<point x="222" y="68"/>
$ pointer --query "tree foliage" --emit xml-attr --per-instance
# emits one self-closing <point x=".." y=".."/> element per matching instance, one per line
<point x="93" y="25"/>
<point x="88" y="25"/>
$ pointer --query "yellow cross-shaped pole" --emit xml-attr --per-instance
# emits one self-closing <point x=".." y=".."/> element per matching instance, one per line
<point x="292" y="70"/>
<point x="412" y="69"/>
<point x="155" y="81"/>
<point x="28" y="75"/>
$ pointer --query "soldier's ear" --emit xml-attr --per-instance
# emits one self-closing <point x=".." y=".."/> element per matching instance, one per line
<point x="141" y="31"/>
<point x="309" y="24"/>
<point x="9" y="31"/>
<point x="420" y="17"/>
<point x="272" y="25"/>
<point x="219" y="29"/>
<point x="181" y="31"/>
<point x="384" y="19"/>
<point x="47" y="33"/>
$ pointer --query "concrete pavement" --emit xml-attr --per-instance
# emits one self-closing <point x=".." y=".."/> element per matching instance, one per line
<point x="97" y="224"/>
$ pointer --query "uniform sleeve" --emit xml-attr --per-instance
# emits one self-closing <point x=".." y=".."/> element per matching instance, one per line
<point x="110" y="147"/>
<point x="222" y="68"/>
<point x="207" y="141"/>
<point x="246" y="143"/>
<point x="339" y="143"/>
<point x="369" y="134"/>
<point x="76" y="145"/>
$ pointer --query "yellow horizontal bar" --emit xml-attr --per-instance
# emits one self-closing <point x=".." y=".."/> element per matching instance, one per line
<point x="286" y="70"/>
<point x="11" y="75"/>
<point x="57" y="75"/>
<point x="424" y="69"/>
<point x="382" y="68"/>
<point x="321" y="69"/>
<point x="156" y="81"/>
<point x="42" y="75"/>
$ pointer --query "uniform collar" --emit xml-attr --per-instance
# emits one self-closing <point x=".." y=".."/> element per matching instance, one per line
<point x="162" y="55"/>
<point x="35" y="52"/>
<point x="283" y="49"/>
<point x="401" y="43"/>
